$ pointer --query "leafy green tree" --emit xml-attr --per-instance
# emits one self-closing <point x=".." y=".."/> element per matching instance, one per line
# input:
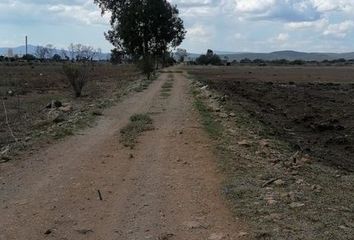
<point x="209" y="58"/>
<point x="144" y="29"/>
<point x="56" y="57"/>
<point x="28" y="57"/>
<point x="116" y="56"/>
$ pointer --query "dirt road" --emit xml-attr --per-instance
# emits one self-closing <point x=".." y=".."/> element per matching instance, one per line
<point x="166" y="188"/>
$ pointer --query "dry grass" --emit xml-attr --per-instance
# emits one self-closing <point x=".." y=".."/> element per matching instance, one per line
<point x="139" y="123"/>
<point x="36" y="85"/>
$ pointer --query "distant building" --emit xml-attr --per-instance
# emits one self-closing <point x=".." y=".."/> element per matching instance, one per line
<point x="10" y="53"/>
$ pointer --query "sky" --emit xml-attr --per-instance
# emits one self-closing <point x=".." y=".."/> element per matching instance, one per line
<point x="221" y="25"/>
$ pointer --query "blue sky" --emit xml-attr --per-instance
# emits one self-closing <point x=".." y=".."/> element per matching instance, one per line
<point x="224" y="25"/>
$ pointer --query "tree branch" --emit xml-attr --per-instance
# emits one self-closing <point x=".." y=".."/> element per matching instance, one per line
<point x="7" y="122"/>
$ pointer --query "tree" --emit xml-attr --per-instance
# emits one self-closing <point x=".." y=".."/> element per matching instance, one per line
<point x="40" y="52"/>
<point x="50" y="50"/>
<point x="77" y="75"/>
<point x="209" y="58"/>
<point x="45" y="52"/>
<point x="144" y="29"/>
<point x="181" y="54"/>
<point x="116" y="56"/>
<point x="82" y="53"/>
<point x="63" y="54"/>
<point x="56" y="57"/>
<point x="71" y="50"/>
<point x="28" y="57"/>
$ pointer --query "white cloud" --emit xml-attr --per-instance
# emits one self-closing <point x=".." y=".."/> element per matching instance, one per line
<point x="199" y="33"/>
<point x="239" y="36"/>
<point x="339" y="30"/>
<point x="253" y="6"/>
<point x="333" y="5"/>
<point x="64" y="11"/>
<point x="282" y="37"/>
<point x="315" y="25"/>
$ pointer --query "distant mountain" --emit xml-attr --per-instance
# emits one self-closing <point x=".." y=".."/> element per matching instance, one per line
<point x="21" y="50"/>
<point x="288" y="55"/>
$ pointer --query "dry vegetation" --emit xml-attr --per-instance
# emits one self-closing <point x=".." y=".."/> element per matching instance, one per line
<point x="138" y="124"/>
<point x="285" y="142"/>
<point x="40" y="102"/>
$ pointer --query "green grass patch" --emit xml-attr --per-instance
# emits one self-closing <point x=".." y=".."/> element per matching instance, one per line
<point x="213" y="128"/>
<point x="138" y="124"/>
<point x="167" y="88"/>
<point x="167" y="85"/>
<point x="165" y="94"/>
<point x="144" y="84"/>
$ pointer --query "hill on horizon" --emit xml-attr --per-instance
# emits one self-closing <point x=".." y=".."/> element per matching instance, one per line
<point x="288" y="55"/>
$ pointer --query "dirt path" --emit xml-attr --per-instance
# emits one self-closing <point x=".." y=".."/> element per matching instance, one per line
<point x="169" y="189"/>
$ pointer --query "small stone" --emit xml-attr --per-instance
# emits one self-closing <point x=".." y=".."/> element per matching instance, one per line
<point x="244" y="143"/>
<point x="97" y="112"/>
<point x="232" y="132"/>
<point x="10" y="93"/>
<point x="264" y="143"/>
<point x="58" y="117"/>
<point x="223" y="115"/>
<point x="271" y="201"/>
<point x="242" y="234"/>
<point x="279" y="182"/>
<point x="84" y="231"/>
<point x="216" y="236"/>
<point x="232" y="115"/>
<point x="66" y="108"/>
<point x="343" y="227"/>
<point x="49" y="231"/>
<point x="316" y="188"/>
<point x="299" y="181"/>
<point x="194" y="225"/>
<point x="54" y="104"/>
<point x="166" y="236"/>
<point x="296" y="205"/>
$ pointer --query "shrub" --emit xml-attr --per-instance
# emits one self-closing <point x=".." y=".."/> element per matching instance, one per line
<point x="146" y="65"/>
<point x="77" y="75"/>
<point x="209" y="58"/>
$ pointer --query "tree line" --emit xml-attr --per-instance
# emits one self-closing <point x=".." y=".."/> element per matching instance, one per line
<point x="74" y="52"/>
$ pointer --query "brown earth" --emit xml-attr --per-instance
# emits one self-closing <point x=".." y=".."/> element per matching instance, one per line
<point x="311" y="107"/>
<point x="35" y="85"/>
<point x="166" y="188"/>
<point x="282" y="170"/>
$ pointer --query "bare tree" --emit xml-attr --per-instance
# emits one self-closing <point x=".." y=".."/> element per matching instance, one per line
<point x="63" y="54"/>
<point x="41" y="52"/>
<point x="50" y="50"/>
<point x="71" y="50"/>
<point x="80" y="52"/>
<point x="181" y="54"/>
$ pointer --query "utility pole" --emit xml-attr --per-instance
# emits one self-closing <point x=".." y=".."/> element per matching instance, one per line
<point x="26" y="46"/>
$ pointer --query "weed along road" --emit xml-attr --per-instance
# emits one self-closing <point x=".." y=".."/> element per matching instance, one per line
<point x="145" y="171"/>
